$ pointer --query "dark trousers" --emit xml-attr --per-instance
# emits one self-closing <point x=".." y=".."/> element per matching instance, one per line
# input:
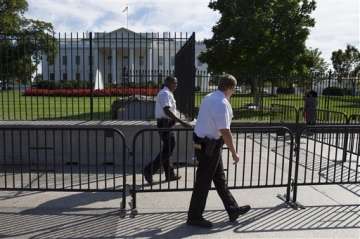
<point x="210" y="169"/>
<point x="168" y="145"/>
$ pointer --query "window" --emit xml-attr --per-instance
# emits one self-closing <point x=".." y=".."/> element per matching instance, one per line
<point x="125" y="60"/>
<point x="64" y="76"/>
<point x="109" y="77"/>
<point x="77" y="60"/>
<point x="52" y="76"/>
<point x="64" y="60"/>
<point x="141" y="60"/>
<point x="50" y="61"/>
<point x="78" y="76"/>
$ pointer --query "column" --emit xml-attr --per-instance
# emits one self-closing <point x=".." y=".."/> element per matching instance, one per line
<point x="99" y="78"/>
<point x="131" y="63"/>
<point x="149" y="64"/>
<point x="113" y="65"/>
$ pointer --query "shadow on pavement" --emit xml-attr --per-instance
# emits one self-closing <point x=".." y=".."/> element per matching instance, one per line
<point x="46" y="221"/>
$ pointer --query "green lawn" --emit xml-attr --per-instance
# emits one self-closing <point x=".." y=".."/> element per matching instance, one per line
<point x="345" y="104"/>
<point x="15" y="106"/>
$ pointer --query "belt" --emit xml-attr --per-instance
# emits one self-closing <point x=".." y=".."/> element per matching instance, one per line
<point x="205" y="139"/>
<point x="198" y="141"/>
<point x="209" y="146"/>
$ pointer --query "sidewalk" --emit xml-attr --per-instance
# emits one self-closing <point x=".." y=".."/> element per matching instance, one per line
<point x="331" y="212"/>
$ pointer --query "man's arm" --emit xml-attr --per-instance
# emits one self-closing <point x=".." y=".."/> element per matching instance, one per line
<point x="226" y="134"/>
<point x="176" y="119"/>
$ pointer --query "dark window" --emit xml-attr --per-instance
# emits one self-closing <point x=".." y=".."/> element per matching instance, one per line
<point x="109" y="77"/>
<point x="77" y="60"/>
<point x="64" y="60"/>
<point x="125" y="60"/>
<point x="64" y="76"/>
<point x="52" y="76"/>
<point x="78" y="76"/>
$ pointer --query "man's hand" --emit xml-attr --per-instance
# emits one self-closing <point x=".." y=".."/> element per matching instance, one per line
<point x="235" y="158"/>
<point x="226" y="133"/>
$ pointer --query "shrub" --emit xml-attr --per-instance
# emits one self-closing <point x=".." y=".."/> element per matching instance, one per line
<point x="87" y="92"/>
<point x="197" y="88"/>
<point x="286" y="91"/>
<point x="336" y="91"/>
<point x="69" y="84"/>
<point x="45" y="84"/>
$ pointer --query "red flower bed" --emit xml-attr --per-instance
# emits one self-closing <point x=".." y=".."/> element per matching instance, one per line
<point x="87" y="92"/>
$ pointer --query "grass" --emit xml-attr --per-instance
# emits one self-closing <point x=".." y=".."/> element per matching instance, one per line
<point x="345" y="104"/>
<point x="15" y="106"/>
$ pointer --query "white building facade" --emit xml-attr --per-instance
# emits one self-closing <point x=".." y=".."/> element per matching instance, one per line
<point x="118" y="57"/>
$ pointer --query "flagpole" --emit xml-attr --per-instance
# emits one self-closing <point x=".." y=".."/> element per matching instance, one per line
<point x="127" y="15"/>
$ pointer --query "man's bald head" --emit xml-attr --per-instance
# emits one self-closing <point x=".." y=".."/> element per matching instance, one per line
<point x="171" y="83"/>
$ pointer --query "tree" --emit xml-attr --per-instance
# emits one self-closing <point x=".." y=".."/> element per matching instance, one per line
<point x="314" y="67"/>
<point x="22" y="41"/>
<point x="346" y="64"/>
<point x="259" y="37"/>
<point x="315" y="62"/>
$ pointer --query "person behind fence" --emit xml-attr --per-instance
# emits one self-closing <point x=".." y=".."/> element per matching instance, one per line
<point x="212" y="130"/>
<point x="310" y="103"/>
<point x="166" y="117"/>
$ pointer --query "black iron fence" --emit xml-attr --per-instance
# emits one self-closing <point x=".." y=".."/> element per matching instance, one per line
<point x="80" y="76"/>
<point x="321" y="163"/>
<point x="254" y="102"/>
<point x="83" y="76"/>
<point x="265" y="160"/>
<point x="46" y="158"/>
<point x="89" y="158"/>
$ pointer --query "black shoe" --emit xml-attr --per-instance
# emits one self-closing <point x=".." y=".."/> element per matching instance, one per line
<point x="173" y="178"/>
<point x="239" y="211"/>
<point x="148" y="176"/>
<point x="199" y="223"/>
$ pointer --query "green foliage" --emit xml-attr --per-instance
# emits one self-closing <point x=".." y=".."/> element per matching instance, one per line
<point x="22" y="41"/>
<point x="69" y="84"/>
<point x="264" y="37"/>
<point x="336" y="91"/>
<point x="346" y="62"/>
<point x="347" y="65"/>
<point x="286" y="91"/>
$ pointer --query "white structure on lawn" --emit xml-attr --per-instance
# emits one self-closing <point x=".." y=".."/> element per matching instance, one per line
<point x="117" y="57"/>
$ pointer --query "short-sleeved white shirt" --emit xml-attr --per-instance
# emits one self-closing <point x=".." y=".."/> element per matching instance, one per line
<point x="215" y="113"/>
<point x="163" y="99"/>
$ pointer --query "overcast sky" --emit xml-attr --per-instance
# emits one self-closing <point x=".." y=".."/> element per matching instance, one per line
<point x="337" y="21"/>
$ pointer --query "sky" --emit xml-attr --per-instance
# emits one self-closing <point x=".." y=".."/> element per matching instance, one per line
<point x="337" y="21"/>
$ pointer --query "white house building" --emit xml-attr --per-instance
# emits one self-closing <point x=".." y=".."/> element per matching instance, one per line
<point x="117" y="57"/>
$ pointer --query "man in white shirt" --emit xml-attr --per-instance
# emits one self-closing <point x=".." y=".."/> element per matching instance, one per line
<point x="212" y="130"/>
<point x="166" y="116"/>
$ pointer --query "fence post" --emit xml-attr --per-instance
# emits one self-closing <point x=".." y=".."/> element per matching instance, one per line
<point x="327" y="99"/>
<point x="297" y="112"/>
<point x="297" y="156"/>
<point x="346" y="141"/>
<point x="291" y="157"/>
<point x="91" y="74"/>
